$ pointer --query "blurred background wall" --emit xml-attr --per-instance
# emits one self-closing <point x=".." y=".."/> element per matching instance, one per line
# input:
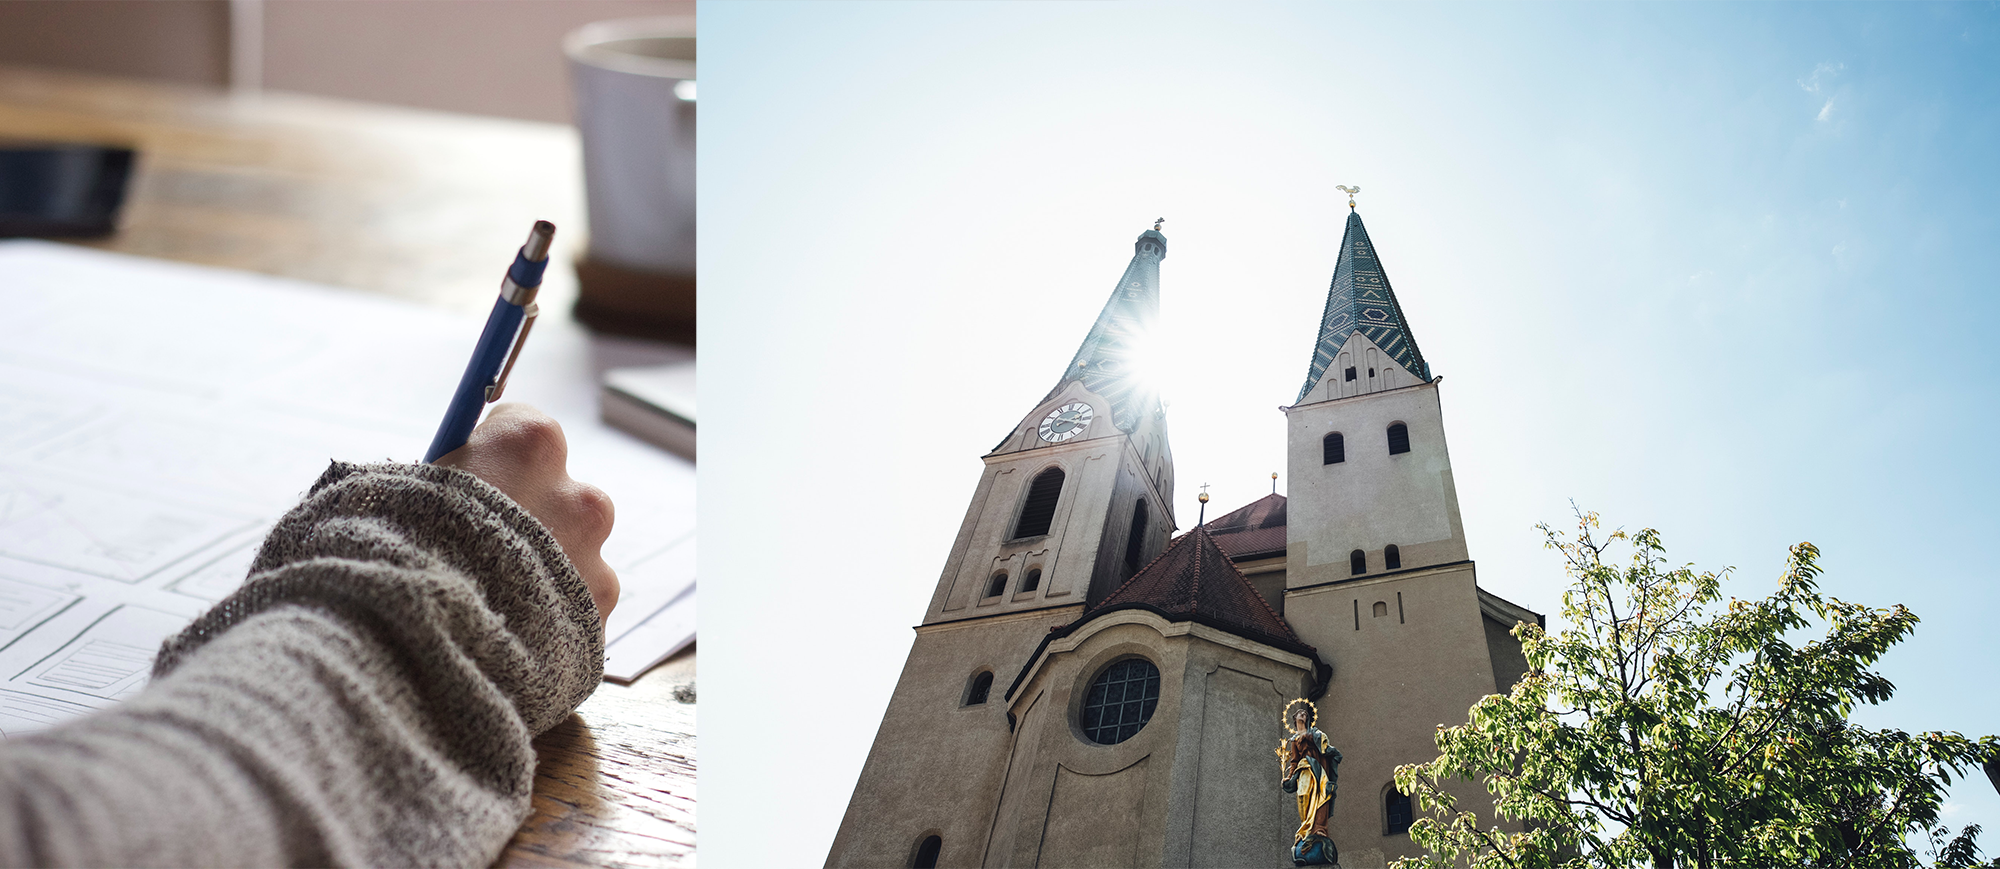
<point x="175" y="40"/>
<point x="489" y="57"/>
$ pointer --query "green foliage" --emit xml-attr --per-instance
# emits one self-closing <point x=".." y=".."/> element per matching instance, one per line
<point x="1961" y="852"/>
<point x="1668" y="728"/>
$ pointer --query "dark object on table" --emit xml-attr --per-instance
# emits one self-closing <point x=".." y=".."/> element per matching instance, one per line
<point x="641" y="304"/>
<point x="58" y="190"/>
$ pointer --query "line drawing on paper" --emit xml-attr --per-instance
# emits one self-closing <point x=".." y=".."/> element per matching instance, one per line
<point x="110" y="659"/>
<point x="26" y="713"/>
<point x="100" y="532"/>
<point x="221" y="575"/>
<point x="25" y="606"/>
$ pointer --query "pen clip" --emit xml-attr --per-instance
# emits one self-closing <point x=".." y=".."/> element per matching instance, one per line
<point x="527" y="322"/>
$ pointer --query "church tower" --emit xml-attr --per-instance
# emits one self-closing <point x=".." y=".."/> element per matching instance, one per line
<point x="1074" y="500"/>
<point x="1377" y="575"/>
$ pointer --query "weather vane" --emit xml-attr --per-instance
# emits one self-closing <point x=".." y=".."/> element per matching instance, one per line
<point x="1350" y="191"/>
<point x="1157" y="222"/>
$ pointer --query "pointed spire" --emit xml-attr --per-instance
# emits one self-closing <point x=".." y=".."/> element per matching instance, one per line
<point x="1360" y="300"/>
<point x="1107" y="362"/>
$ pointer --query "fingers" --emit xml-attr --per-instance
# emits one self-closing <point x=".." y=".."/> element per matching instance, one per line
<point x="590" y="513"/>
<point x="602" y="581"/>
<point x="515" y="442"/>
<point x="522" y="452"/>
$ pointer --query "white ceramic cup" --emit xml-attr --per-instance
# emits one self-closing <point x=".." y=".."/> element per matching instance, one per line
<point x="634" y="82"/>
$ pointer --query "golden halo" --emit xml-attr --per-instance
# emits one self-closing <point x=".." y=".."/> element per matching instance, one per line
<point x="1309" y="707"/>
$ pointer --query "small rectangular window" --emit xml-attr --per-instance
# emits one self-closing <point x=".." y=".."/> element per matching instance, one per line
<point x="1350" y="373"/>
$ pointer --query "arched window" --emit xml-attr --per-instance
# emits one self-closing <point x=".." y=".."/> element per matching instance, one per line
<point x="1399" y="439"/>
<point x="927" y="853"/>
<point x="1381" y="608"/>
<point x="977" y="689"/>
<point x="1033" y="580"/>
<point x="1121" y="701"/>
<point x="1135" y="542"/>
<point x="997" y="584"/>
<point x="1397" y="812"/>
<point x="1358" y="560"/>
<point x="1392" y="558"/>
<point x="1333" y="450"/>
<point x="1040" y="507"/>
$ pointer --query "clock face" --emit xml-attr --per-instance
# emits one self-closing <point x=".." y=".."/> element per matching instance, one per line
<point x="1065" y="422"/>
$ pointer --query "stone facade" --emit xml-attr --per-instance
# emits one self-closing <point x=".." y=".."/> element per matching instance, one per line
<point x="1356" y="592"/>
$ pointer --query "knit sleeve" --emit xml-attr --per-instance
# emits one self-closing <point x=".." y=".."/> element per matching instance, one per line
<point x="366" y="698"/>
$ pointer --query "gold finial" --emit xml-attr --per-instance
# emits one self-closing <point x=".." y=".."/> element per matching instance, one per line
<point x="1350" y="191"/>
<point x="1157" y="222"/>
<point x="1202" y="518"/>
<point x="1203" y="497"/>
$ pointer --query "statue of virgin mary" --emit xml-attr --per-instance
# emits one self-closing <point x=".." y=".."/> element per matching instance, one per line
<point x="1310" y="767"/>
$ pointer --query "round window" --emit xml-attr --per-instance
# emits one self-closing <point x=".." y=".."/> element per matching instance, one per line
<point x="1121" y="701"/>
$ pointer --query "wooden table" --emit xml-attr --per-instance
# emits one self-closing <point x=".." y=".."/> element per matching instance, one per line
<point x="411" y="204"/>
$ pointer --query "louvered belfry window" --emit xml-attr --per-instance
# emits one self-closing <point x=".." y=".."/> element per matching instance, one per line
<point x="1135" y="542"/>
<point x="1399" y="439"/>
<point x="1040" y="508"/>
<point x="1121" y="701"/>
<point x="982" y="684"/>
<point x="1333" y="450"/>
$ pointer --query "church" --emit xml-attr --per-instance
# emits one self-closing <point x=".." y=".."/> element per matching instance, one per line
<point x="1087" y="689"/>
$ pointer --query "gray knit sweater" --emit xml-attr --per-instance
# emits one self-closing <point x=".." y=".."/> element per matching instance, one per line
<point x="366" y="698"/>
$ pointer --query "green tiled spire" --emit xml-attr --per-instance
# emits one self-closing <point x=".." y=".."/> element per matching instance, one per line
<point x="1106" y="362"/>
<point x="1360" y="300"/>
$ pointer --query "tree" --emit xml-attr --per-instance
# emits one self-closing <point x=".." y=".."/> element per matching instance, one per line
<point x="1665" y="728"/>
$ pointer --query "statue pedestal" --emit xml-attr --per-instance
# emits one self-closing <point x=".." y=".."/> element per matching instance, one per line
<point x="1315" y="851"/>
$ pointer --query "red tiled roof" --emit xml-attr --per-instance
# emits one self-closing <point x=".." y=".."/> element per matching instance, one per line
<point x="1195" y="578"/>
<point x="1256" y="530"/>
<point x="1265" y="512"/>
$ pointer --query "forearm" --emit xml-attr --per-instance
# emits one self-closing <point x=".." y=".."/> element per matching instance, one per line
<point x="366" y="699"/>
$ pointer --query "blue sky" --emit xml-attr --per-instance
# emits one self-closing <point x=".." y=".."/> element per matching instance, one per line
<point x="1723" y="270"/>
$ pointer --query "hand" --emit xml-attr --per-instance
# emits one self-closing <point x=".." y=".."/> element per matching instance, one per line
<point x="521" y="452"/>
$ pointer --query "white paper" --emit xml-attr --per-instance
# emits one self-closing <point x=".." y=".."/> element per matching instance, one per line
<point x="156" y="418"/>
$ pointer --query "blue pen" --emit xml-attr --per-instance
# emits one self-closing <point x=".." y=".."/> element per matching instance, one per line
<point x="499" y="345"/>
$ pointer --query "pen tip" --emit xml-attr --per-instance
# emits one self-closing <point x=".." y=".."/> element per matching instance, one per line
<point x="537" y="248"/>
